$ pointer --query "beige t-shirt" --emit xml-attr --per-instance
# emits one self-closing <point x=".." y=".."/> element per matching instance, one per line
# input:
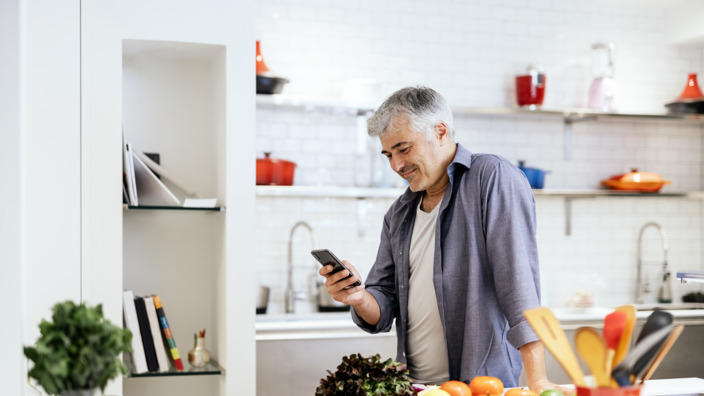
<point x="426" y="352"/>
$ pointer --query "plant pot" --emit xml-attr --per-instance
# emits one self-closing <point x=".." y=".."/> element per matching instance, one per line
<point x="80" y="392"/>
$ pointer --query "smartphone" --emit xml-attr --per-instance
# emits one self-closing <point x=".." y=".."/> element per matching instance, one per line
<point x="325" y="257"/>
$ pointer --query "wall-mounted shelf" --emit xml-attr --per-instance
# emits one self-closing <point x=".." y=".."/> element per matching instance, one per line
<point x="176" y="208"/>
<point x="386" y="193"/>
<point x="212" y="368"/>
<point x="568" y="115"/>
<point x="328" y="192"/>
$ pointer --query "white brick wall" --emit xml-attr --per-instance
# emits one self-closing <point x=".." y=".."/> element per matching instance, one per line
<point x="470" y="51"/>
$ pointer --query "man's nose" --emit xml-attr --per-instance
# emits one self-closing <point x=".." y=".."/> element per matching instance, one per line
<point x="396" y="164"/>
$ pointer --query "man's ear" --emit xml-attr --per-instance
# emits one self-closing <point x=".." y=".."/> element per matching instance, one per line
<point x="442" y="133"/>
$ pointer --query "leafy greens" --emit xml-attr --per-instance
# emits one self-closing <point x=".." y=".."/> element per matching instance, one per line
<point x="370" y="376"/>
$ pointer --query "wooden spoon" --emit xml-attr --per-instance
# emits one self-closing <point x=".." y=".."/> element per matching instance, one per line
<point x="547" y="327"/>
<point x="625" y="342"/>
<point x="592" y="349"/>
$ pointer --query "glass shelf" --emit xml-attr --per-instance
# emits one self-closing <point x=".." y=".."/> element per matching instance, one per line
<point x="177" y="208"/>
<point x="212" y="368"/>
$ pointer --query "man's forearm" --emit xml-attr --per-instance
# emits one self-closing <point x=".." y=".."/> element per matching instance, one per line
<point x="533" y="355"/>
<point x="368" y="309"/>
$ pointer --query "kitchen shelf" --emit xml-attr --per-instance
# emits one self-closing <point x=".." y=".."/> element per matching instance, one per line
<point x="568" y="115"/>
<point x="176" y="208"/>
<point x="382" y="193"/>
<point x="212" y="368"/>
<point x="327" y="192"/>
<point x="691" y="276"/>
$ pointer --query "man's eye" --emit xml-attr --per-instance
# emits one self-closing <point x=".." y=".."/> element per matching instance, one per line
<point x="404" y="150"/>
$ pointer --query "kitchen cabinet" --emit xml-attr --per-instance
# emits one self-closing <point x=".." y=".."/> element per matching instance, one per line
<point x="177" y="79"/>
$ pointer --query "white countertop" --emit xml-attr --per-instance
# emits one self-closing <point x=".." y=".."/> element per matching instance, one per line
<point x="677" y="386"/>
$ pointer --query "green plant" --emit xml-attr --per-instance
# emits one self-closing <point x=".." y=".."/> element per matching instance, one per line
<point x="360" y="376"/>
<point x="78" y="349"/>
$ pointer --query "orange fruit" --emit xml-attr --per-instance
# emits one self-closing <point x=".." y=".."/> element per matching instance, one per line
<point x="456" y="388"/>
<point x="486" y="386"/>
<point x="520" y="392"/>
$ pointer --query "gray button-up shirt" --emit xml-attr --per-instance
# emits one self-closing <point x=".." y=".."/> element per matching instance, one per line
<point x="485" y="268"/>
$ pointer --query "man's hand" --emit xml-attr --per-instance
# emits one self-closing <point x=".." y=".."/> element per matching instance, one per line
<point x="533" y="355"/>
<point x="340" y="289"/>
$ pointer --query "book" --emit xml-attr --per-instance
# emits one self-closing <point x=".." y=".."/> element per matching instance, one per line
<point x="145" y="331"/>
<point x="132" y="323"/>
<point x="150" y="190"/>
<point x="130" y="180"/>
<point x="171" y="342"/>
<point x="155" y="328"/>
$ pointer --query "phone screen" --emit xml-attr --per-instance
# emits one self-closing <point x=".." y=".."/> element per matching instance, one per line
<point x="326" y="257"/>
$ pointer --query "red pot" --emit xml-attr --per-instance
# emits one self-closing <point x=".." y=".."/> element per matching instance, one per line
<point x="636" y="181"/>
<point x="273" y="171"/>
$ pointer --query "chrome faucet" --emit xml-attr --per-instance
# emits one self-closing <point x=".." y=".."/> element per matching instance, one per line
<point x="642" y="286"/>
<point x="291" y="295"/>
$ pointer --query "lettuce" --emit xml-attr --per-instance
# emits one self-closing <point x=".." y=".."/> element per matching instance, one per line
<point x="370" y="376"/>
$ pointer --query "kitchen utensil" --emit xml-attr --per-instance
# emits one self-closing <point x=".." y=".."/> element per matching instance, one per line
<point x="592" y="349"/>
<point x="636" y="181"/>
<point x="602" y="92"/>
<point x="669" y="342"/>
<point x="547" y="327"/>
<point x="614" y="324"/>
<point x="273" y="171"/>
<point x="326" y="303"/>
<point x="263" y="299"/>
<point x="625" y="342"/>
<point x="622" y="372"/>
<point x="691" y="89"/>
<point x="267" y="81"/>
<point x="530" y="88"/>
<point x="657" y="320"/>
<point x="261" y="65"/>
<point x="536" y="177"/>
<point x="270" y="85"/>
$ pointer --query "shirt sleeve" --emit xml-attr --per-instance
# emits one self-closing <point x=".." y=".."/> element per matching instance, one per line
<point x="381" y="283"/>
<point x="510" y="225"/>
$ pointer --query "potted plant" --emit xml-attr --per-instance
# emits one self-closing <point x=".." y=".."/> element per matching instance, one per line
<point x="78" y="351"/>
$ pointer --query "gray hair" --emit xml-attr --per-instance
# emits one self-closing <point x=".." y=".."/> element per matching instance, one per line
<point x="424" y="107"/>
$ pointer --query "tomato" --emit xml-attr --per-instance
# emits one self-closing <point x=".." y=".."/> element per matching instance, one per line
<point x="456" y="388"/>
<point x="521" y="392"/>
<point x="486" y="386"/>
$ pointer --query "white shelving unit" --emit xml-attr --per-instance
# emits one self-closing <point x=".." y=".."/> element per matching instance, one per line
<point x="179" y="81"/>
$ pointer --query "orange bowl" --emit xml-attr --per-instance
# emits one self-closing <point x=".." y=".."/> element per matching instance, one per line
<point x="636" y="181"/>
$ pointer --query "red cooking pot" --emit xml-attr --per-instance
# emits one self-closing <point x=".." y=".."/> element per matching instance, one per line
<point x="273" y="171"/>
<point x="636" y="181"/>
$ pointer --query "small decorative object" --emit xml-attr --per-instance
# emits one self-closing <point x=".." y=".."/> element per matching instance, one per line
<point x="199" y="356"/>
<point x="530" y="88"/>
<point x="78" y="351"/>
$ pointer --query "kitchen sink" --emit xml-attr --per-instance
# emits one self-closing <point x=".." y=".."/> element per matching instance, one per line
<point x="669" y="307"/>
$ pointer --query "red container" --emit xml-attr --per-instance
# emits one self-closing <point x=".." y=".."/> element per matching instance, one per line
<point x="530" y="89"/>
<point x="273" y="171"/>
<point x="625" y="391"/>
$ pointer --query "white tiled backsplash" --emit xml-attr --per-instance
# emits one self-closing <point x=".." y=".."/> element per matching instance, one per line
<point x="470" y="51"/>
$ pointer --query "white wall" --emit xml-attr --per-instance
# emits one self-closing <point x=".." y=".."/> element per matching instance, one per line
<point x="470" y="51"/>
<point x="12" y="285"/>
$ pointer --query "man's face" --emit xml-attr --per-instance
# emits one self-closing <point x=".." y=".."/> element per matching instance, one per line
<point x="412" y="155"/>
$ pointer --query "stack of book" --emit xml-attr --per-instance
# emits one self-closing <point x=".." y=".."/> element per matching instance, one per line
<point x="151" y="335"/>
<point x="144" y="184"/>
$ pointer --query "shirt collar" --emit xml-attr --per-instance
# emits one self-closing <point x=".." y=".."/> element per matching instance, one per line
<point x="463" y="158"/>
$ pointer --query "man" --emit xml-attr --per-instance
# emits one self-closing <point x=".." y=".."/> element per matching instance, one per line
<point x="457" y="263"/>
